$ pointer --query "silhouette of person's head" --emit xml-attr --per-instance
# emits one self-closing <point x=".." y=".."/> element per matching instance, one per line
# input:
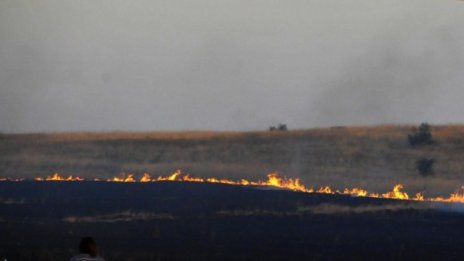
<point x="88" y="246"/>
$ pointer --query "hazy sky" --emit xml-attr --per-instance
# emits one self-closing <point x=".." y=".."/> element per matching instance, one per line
<point x="241" y="64"/>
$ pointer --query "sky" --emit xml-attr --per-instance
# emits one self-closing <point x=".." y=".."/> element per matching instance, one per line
<point x="106" y="65"/>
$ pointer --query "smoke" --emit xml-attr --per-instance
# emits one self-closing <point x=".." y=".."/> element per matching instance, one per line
<point x="252" y="212"/>
<point x="11" y="201"/>
<point x="332" y="209"/>
<point x="163" y="65"/>
<point x="325" y="209"/>
<point x="125" y="216"/>
<point x="399" y="78"/>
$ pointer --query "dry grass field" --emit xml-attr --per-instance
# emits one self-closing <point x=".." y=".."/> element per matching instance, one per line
<point x="372" y="157"/>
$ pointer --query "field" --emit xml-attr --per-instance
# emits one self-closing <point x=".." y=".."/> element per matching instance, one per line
<point x="375" y="158"/>
<point x="200" y="221"/>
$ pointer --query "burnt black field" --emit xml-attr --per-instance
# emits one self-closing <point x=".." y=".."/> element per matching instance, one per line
<point x="197" y="221"/>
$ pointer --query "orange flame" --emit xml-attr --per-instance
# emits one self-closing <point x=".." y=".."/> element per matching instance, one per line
<point x="171" y="177"/>
<point x="397" y="193"/>
<point x="124" y="178"/>
<point x="457" y="197"/>
<point x="273" y="180"/>
<point x="145" y="178"/>
<point x="57" y="177"/>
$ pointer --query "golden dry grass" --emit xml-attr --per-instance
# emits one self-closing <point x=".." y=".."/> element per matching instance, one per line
<point x="375" y="157"/>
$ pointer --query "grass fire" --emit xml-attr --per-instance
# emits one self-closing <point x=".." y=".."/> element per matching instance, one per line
<point x="274" y="180"/>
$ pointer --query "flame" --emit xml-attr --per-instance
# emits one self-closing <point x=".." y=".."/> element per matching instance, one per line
<point x="57" y="177"/>
<point x="419" y="197"/>
<point x="457" y="197"/>
<point x="397" y="193"/>
<point x="124" y="178"/>
<point x="171" y="177"/>
<point x="273" y="180"/>
<point x="145" y="178"/>
<point x="356" y="192"/>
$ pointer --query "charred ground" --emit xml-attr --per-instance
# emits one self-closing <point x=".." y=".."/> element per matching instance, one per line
<point x="197" y="221"/>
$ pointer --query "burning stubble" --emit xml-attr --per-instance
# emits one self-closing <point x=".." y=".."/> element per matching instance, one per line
<point x="274" y="180"/>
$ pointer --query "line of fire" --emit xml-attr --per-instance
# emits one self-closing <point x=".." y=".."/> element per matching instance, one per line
<point x="274" y="180"/>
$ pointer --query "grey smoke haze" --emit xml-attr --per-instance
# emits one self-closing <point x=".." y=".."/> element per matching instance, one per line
<point x="216" y="64"/>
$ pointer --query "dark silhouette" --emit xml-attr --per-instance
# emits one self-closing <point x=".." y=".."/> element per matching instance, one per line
<point x="280" y="127"/>
<point x="87" y="250"/>
<point x="421" y="135"/>
<point x="88" y="246"/>
<point x="425" y="166"/>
